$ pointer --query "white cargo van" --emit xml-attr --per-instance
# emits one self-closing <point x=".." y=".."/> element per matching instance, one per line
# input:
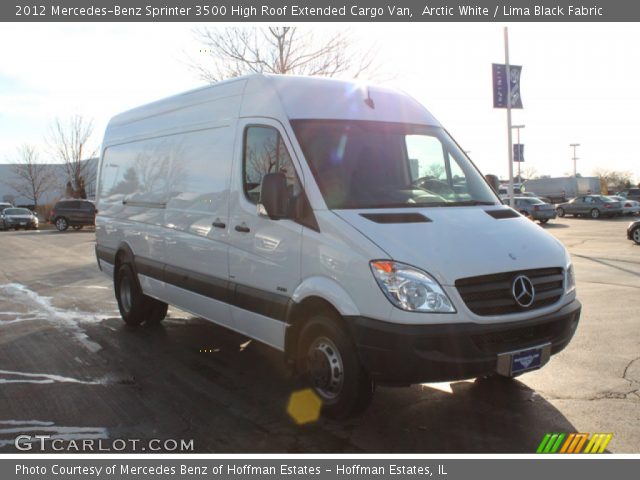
<point x="337" y="223"/>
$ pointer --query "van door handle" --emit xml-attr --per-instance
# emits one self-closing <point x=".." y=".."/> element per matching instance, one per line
<point x="242" y="228"/>
<point x="219" y="224"/>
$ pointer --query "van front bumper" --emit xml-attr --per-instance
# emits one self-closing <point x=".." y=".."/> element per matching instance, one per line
<point x="407" y="354"/>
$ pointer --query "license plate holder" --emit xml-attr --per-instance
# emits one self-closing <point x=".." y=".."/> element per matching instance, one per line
<point x="524" y="360"/>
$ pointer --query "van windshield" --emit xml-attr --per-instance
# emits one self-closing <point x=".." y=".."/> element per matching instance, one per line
<point x="363" y="164"/>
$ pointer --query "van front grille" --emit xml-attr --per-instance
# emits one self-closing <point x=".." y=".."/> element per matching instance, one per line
<point x="492" y="294"/>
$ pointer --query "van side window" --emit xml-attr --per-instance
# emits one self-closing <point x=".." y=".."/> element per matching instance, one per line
<point x="265" y="152"/>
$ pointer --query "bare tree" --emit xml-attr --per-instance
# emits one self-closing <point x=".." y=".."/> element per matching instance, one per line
<point x="235" y="51"/>
<point x="69" y="142"/>
<point x="32" y="179"/>
<point x="615" y="180"/>
<point x="530" y="172"/>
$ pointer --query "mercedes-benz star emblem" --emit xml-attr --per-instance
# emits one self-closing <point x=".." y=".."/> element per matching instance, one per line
<point x="523" y="291"/>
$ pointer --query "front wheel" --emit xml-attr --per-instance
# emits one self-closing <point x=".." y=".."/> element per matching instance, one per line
<point x="331" y="367"/>
<point x="136" y="307"/>
<point x="560" y="211"/>
<point x="595" y="213"/>
<point x="635" y="235"/>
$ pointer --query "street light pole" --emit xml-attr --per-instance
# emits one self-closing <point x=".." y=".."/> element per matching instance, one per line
<point x="509" y="137"/>
<point x="574" y="145"/>
<point x="518" y="127"/>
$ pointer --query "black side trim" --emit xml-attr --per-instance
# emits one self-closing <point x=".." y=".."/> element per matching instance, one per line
<point x="107" y="254"/>
<point x="205" y="285"/>
<point x="150" y="268"/>
<point x="252" y="299"/>
<point x="396" y="217"/>
<point x="500" y="214"/>
<point x="262" y="302"/>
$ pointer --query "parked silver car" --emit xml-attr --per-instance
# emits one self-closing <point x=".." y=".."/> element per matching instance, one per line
<point x="593" y="206"/>
<point x="17" y="218"/>
<point x="535" y="208"/>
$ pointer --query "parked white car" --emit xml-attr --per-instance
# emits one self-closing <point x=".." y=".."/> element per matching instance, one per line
<point x="629" y="207"/>
<point x="337" y="223"/>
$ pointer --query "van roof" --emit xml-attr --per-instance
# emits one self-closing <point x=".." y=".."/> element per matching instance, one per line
<point x="278" y="96"/>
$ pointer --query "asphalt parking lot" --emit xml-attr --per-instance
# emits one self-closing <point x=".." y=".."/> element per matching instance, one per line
<point x="71" y="369"/>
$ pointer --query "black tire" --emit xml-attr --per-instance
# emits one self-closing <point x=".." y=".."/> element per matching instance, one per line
<point x="135" y="307"/>
<point x="61" y="224"/>
<point x="635" y="235"/>
<point x="560" y="211"/>
<point x="544" y="220"/>
<point x="328" y="359"/>
<point x="595" y="213"/>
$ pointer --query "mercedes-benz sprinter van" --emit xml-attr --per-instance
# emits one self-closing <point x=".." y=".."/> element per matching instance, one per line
<point x="337" y="223"/>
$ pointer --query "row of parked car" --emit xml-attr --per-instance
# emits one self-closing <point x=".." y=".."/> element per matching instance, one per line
<point x="65" y="213"/>
<point x="594" y="206"/>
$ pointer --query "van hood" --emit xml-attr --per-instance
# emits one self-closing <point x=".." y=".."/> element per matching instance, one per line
<point x="459" y="242"/>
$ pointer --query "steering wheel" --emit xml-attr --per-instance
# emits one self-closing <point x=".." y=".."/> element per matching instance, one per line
<point x="435" y="186"/>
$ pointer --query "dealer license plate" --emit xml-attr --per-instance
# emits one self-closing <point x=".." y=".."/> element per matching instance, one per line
<point x="519" y="361"/>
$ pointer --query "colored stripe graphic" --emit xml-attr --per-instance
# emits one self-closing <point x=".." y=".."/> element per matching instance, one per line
<point x="544" y="441"/>
<point x="574" y="442"/>
<point x="567" y="443"/>
<point x="598" y="443"/>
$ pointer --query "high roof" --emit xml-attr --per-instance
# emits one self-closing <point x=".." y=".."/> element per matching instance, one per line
<point x="275" y="96"/>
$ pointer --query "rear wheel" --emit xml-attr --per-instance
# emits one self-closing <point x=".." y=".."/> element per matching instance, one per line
<point x="136" y="307"/>
<point x="560" y="211"/>
<point x="595" y="213"/>
<point x="635" y="235"/>
<point x="61" y="224"/>
<point x="331" y="367"/>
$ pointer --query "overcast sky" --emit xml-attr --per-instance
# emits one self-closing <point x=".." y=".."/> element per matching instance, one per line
<point x="579" y="82"/>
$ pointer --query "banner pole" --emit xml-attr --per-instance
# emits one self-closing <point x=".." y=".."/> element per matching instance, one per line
<point x="509" y="136"/>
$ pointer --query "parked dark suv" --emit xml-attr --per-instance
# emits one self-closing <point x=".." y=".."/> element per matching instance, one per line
<point x="73" y="213"/>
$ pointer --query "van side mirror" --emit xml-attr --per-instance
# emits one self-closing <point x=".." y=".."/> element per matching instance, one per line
<point x="274" y="196"/>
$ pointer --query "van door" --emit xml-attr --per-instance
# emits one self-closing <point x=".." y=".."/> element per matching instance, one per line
<point x="264" y="254"/>
<point x="196" y="224"/>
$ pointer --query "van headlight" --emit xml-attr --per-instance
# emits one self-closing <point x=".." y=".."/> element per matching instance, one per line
<point x="570" y="280"/>
<point x="409" y="288"/>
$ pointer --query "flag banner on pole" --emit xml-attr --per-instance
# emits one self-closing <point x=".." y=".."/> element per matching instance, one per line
<point x="518" y="152"/>
<point x="500" y="85"/>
